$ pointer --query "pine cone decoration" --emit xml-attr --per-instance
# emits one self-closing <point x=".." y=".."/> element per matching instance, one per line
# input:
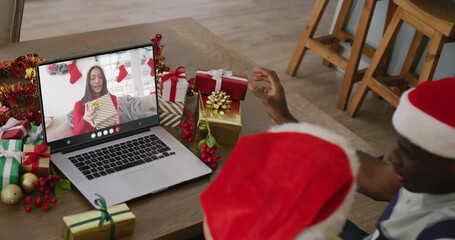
<point x="219" y="101"/>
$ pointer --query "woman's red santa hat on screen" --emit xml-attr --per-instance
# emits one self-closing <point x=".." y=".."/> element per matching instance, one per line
<point x="426" y="117"/>
<point x="295" y="181"/>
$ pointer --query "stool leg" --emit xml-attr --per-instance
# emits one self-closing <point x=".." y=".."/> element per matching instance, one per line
<point x="386" y="41"/>
<point x="431" y="60"/>
<point x="356" y="53"/>
<point x="339" y="24"/>
<point x="313" y="22"/>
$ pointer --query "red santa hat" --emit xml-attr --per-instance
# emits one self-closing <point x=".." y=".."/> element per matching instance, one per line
<point x="426" y="117"/>
<point x="295" y="181"/>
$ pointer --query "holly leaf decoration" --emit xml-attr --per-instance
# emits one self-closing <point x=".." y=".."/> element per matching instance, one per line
<point x="62" y="186"/>
<point x="210" y="140"/>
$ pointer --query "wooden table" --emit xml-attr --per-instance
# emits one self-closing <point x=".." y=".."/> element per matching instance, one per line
<point x="176" y="212"/>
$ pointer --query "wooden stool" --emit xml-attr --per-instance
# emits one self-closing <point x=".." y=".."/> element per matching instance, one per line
<point x="434" y="19"/>
<point x="327" y="46"/>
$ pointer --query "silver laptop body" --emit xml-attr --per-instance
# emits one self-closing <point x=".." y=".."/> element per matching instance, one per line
<point x="138" y="118"/>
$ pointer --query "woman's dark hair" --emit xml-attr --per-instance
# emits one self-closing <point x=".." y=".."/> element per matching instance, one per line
<point x="88" y="92"/>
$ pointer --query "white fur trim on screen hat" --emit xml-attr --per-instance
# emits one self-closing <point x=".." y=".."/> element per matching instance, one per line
<point x="426" y="117"/>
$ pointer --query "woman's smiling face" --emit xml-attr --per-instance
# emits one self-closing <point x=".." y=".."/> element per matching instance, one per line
<point x="96" y="81"/>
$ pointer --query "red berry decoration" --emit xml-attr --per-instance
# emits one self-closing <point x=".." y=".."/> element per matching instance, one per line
<point x="28" y="208"/>
<point x="47" y="186"/>
<point x="208" y="154"/>
<point x="187" y="127"/>
<point x="46" y="207"/>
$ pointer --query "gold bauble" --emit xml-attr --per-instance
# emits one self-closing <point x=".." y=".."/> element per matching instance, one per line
<point x="11" y="194"/>
<point x="27" y="182"/>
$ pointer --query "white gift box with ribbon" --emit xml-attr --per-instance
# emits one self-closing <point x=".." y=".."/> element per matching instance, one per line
<point x="174" y="87"/>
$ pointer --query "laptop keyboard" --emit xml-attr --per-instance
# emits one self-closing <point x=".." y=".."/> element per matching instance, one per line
<point x="121" y="156"/>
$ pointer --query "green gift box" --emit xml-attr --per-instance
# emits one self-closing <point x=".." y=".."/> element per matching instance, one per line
<point x="10" y="156"/>
<point x="107" y="223"/>
<point x="35" y="135"/>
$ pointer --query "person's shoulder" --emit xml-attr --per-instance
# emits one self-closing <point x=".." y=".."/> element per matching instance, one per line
<point x="113" y="97"/>
<point x="78" y="103"/>
<point x="442" y="229"/>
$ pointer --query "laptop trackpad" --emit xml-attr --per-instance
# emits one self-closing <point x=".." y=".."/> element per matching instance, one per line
<point x="148" y="179"/>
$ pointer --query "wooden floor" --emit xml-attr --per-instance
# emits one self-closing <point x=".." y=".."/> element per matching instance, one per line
<point x="264" y="30"/>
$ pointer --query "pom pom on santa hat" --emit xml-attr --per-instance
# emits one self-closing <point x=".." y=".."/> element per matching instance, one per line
<point x="295" y="181"/>
<point x="426" y="117"/>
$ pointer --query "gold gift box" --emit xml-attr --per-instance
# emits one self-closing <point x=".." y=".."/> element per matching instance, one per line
<point x="124" y="224"/>
<point x="225" y="126"/>
<point x="42" y="170"/>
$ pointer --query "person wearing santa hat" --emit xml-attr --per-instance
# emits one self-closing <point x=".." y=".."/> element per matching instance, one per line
<point x="418" y="178"/>
<point x="296" y="180"/>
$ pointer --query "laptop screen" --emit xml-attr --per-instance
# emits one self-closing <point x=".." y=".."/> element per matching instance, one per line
<point x="95" y="97"/>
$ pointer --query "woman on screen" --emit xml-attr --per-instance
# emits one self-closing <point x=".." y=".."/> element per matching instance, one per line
<point x="85" y="111"/>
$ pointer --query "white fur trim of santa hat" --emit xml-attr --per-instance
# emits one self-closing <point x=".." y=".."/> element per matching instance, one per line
<point x="427" y="117"/>
<point x="331" y="226"/>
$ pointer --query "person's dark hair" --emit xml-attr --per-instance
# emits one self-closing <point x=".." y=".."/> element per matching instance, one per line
<point x="88" y="93"/>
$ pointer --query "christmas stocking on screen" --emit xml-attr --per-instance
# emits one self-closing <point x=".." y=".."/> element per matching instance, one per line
<point x="74" y="72"/>
<point x="122" y="72"/>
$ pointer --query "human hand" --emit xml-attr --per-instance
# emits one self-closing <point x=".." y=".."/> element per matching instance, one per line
<point x="272" y="97"/>
<point x="89" y="115"/>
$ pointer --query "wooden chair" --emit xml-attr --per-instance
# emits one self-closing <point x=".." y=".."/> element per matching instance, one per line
<point x="434" y="19"/>
<point x="327" y="46"/>
<point x="11" y="13"/>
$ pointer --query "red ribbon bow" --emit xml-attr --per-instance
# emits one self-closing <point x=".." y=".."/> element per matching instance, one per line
<point x="33" y="159"/>
<point x="174" y="77"/>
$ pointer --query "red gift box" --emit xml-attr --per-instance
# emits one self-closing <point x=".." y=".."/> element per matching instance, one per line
<point x="15" y="129"/>
<point x="219" y="80"/>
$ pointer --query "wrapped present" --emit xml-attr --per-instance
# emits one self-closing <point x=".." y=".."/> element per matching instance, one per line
<point x="220" y="80"/>
<point x="15" y="129"/>
<point x="35" y="135"/>
<point x="174" y="85"/>
<point x="170" y="112"/>
<point x="107" y="223"/>
<point x="106" y="113"/>
<point x="10" y="155"/>
<point x="225" y="125"/>
<point x="37" y="159"/>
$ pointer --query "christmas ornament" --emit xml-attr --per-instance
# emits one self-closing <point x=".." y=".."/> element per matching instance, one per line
<point x="208" y="146"/>
<point x="74" y="72"/>
<point x="27" y="181"/>
<point x="219" y="101"/>
<point x="11" y="194"/>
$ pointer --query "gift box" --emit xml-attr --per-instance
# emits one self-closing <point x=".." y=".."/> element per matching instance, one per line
<point x="219" y="80"/>
<point x="120" y="222"/>
<point x="106" y="113"/>
<point x="174" y="85"/>
<point x="170" y="112"/>
<point x="10" y="156"/>
<point x="35" y="135"/>
<point x="15" y="129"/>
<point x="225" y="126"/>
<point x="36" y="159"/>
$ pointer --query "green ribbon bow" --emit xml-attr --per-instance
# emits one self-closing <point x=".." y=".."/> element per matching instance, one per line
<point x="105" y="216"/>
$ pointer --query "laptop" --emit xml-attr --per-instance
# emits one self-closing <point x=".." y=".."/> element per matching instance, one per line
<point x="102" y="124"/>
